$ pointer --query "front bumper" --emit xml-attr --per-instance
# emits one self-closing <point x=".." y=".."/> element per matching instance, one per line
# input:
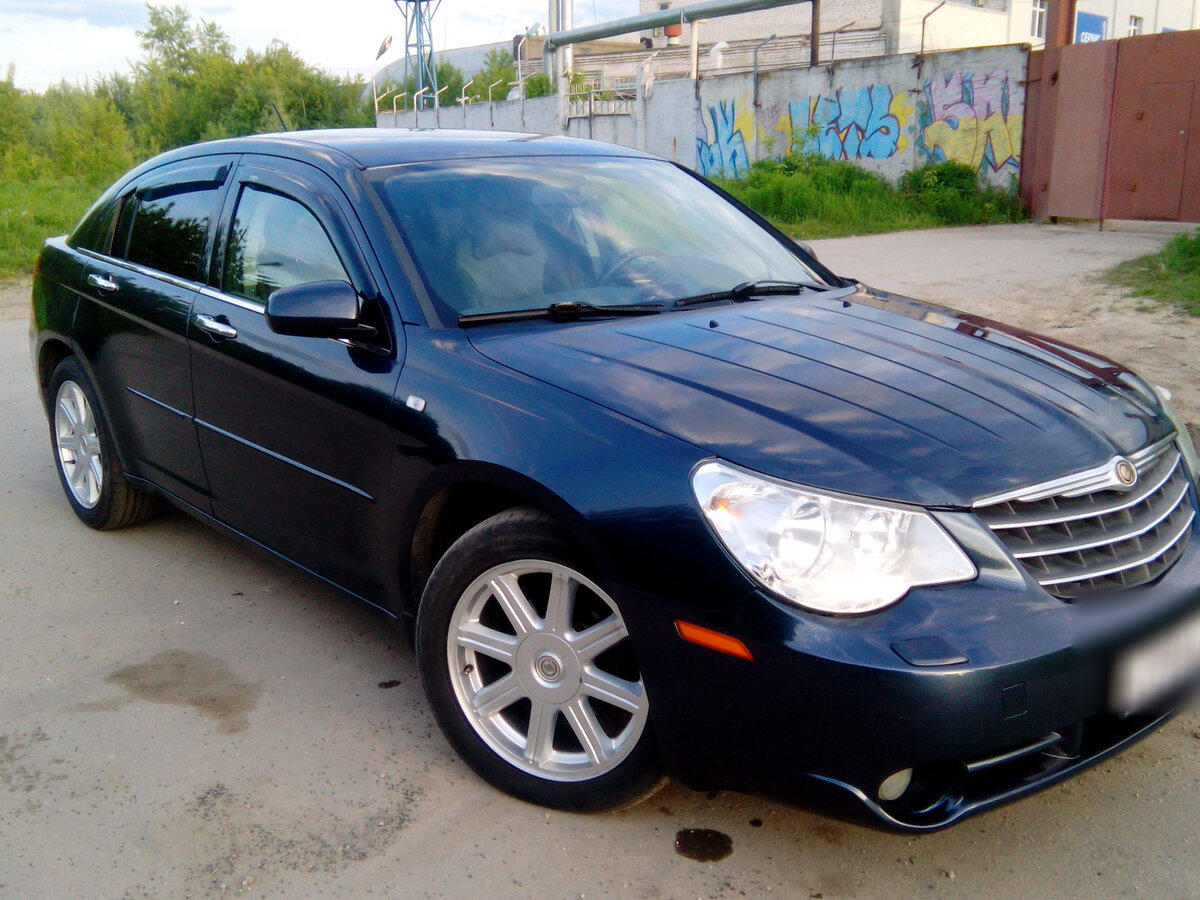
<point x="1017" y="699"/>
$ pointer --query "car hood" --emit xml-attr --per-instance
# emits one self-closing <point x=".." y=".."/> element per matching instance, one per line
<point x="856" y="391"/>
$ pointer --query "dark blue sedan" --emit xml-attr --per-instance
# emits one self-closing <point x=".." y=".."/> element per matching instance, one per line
<point x="652" y="491"/>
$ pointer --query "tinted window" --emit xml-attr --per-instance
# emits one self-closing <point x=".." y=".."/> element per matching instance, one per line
<point x="170" y="224"/>
<point x="92" y="233"/>
<point x="276" y="242"/>
<point x="503" y="234"/>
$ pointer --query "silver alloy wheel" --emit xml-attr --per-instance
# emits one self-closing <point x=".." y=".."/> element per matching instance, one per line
<point x="78" y="442"/>
<point x="551" y="696"/>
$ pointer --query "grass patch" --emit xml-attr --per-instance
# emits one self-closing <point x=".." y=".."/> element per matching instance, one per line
<point x="808" y="196"/>
<point x="33" y="210"/>
<point x="1172" y="275"/>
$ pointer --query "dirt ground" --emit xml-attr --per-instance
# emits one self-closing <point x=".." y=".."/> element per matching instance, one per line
<point x="14" y="300"/>
<point x="182" y="717"/>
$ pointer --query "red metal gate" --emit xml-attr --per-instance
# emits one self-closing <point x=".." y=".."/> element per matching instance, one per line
<point x="1116" y="134"/>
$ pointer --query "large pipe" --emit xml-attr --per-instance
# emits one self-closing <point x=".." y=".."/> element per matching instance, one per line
<point x="566" y="61"/>
<point x="709" y="10"/>
<point x="814" y="52"/>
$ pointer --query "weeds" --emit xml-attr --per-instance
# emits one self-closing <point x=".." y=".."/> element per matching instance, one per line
<point x="1172" y="275"/>
<point x="809" y="196"/>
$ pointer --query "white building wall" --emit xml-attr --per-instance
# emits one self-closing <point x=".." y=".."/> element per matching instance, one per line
<point x="953" y="26"/>
<point x="1157" y="15"/>
<point x="785" y="20"/>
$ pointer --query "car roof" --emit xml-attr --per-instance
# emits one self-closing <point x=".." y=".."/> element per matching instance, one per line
<point x="368" y="148"/>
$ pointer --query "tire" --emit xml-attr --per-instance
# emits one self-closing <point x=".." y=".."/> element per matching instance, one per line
<point x="84" y="454"/>
<point x="514" y="640"/>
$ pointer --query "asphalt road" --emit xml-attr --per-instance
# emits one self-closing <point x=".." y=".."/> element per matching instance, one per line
<point x="181" y="716"/>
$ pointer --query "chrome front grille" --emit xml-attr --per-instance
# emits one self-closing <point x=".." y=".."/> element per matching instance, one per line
<point x="1087" y="533"/>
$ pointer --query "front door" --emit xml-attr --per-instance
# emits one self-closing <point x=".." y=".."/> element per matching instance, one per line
<point x="294" y="430"/>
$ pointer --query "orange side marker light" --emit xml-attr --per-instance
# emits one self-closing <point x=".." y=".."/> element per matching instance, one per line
<point x="713" y="640"/>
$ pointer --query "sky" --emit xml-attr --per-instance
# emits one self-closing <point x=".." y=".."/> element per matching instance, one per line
<point x="47" y="41"/>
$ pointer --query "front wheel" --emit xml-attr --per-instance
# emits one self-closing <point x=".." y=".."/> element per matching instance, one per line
<point x="530" y="670"/>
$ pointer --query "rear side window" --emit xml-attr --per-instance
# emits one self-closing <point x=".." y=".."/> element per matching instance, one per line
<point x="93" y="232"/>
<point x="276" y="242"/>
<point x="169" y="227"/>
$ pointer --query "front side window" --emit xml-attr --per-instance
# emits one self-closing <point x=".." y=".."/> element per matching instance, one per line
<point x="496" y="235"/>
<point x="168" y="228"/>
<point x="276" y="242"/>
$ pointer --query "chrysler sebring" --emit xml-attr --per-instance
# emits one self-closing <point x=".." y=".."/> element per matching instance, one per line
<point x="652" y="491"/>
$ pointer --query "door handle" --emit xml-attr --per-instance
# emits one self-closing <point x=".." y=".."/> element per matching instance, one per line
<point x="216" y="327"/>
<point x="102" y="283"/>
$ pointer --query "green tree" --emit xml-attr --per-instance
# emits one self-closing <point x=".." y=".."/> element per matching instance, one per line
<point x="449" y="76"/>
<point x="83" y="134"/>
<point x="498" y="65"/>
<point x="16" y="130"/>
<point x="537" y="85"/>
<point x="191" y="86"/>
<point x="68" y="131"/>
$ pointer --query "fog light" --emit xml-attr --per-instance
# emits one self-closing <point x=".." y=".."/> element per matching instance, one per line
<point x="894" y="786"/>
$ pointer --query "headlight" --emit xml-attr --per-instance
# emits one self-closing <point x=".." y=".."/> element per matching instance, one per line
<point x="826" y="553"/>
<point x="1185" y="439"/>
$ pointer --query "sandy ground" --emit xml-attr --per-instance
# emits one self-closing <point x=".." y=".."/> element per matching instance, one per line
<point x="181" y="717"/>
<point x="14" y="300"/>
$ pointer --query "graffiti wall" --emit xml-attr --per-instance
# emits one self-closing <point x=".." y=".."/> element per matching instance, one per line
<point x="970" y="117"/>
<point x="891" y="114"/>
<point x="887" y="114"/>
<point x="852" y="123"/>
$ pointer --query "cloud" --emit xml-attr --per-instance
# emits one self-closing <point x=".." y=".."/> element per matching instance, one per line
<point x="110" y="14"/>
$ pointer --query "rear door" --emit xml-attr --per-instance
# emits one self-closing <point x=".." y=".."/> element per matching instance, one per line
<point x="294" y="430"/>
<point x="132" y="324"/>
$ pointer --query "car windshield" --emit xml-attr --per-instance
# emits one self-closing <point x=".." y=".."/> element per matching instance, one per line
<point x="497" y="235"/>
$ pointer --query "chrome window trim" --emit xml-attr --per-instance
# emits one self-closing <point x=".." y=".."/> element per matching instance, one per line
<point x="240" y="302"/>
<point x="137" y="269"/>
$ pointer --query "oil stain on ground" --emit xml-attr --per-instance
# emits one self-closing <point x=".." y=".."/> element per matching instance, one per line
<point x="182" y="678"/>
<point x="703" y="844"/>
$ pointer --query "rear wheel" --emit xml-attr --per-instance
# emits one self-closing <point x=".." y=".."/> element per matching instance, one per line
<point x="88" y="468"/>
<point x="530" y="670"/>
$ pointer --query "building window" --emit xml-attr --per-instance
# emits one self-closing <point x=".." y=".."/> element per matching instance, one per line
<point x="1135" y="25"/>
<point x="1037" y="27"/>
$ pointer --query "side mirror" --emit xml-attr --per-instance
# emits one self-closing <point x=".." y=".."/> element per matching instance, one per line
<point x="327" y="309"/>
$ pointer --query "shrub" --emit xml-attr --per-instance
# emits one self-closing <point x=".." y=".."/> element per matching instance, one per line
<point x="811" y="196"/>
<point x="952" y="193"/>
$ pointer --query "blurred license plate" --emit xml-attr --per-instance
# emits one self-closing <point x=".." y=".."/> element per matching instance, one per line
<point x="1155" y="668"/>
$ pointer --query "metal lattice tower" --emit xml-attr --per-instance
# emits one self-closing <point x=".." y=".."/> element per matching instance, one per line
<point x="418" y="46"/>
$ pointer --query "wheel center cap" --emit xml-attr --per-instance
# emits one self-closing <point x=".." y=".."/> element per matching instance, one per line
<point x="549" y="667"/>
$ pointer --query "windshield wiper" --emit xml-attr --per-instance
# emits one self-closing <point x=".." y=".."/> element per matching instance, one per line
<point x="749" y="289"/>
<point x="564" y="311"/>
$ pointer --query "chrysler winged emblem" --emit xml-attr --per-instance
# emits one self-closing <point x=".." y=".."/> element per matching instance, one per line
<point x="1125" y="472"/>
